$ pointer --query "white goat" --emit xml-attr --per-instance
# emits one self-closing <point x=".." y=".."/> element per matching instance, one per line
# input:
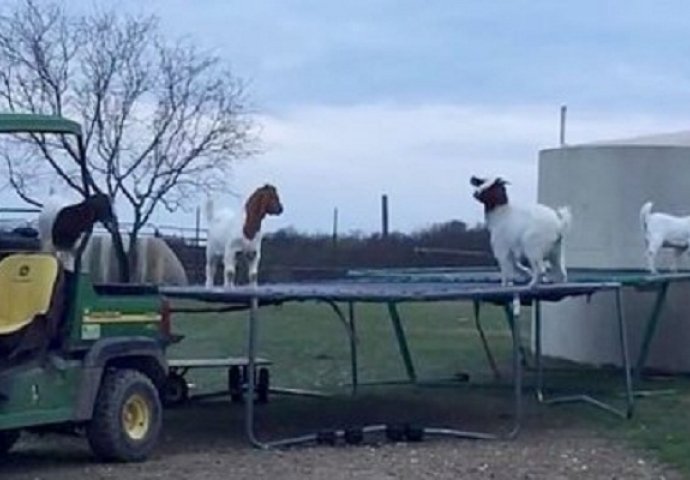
<point x="532" y="232"/>
<point x="228" y="236"/>
<point x="664" y="230"/>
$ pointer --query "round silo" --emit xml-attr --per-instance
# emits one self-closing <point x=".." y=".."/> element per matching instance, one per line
<point x="605" y="184"/>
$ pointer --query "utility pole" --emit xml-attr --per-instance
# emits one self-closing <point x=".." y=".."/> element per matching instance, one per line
<point x="384" y="215"/>
<point x="334" y="244"/>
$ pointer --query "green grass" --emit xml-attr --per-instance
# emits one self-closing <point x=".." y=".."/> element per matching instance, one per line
<point x="661" y="424"/>
<point x="309" y="349"/>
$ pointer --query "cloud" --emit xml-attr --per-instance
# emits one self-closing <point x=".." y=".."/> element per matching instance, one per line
<point x="421" y="155"/>
<point x="323" y="157"/>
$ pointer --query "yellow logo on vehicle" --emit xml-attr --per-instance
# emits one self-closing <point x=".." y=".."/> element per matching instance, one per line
<point x="110" y="316"/>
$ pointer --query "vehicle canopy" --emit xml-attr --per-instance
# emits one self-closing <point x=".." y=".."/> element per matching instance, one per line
<point x="30" y="123"/>
<point x="50" y="124"/>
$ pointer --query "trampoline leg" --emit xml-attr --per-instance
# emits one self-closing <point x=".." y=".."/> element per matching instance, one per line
<point x="514" y="321"/>
<point x="537" y="351"/>
<point x="251" y="364"/>
<point x="249" y="424"/>
<point x="512" y="312"/>
<point x="627" y="371"/>
<point x="650" y="330"/>
<point x="622" y="330"/>
<point x="485" y="343"/>
<point x="353" y="347"/>
<point x="249" y="420"/>
<point x="351" y="329"/>
<point x="517" y="370"/>
<point x="402" y="342"/>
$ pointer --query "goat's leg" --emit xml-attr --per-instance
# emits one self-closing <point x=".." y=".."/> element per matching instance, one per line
<point x="524" y="271"/>
<point x="253" y="267"/>
<point x="229" y="262"/>
<point x="557" y="259"/>
<point x="537" y="269"/>
<point x="651" y="264"/>
<point x="211" y="267"/>
<point x="653" y="246"/>
<point x="505" y="264"/>
<point x="677" y="255"/>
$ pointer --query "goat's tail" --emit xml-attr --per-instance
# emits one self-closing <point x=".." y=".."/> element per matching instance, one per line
<point x="565" y="217"/>
<point x="645" y="211"/>
<point x="208" y="210"/>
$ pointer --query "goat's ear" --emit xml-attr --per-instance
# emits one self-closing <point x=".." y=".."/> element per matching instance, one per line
<point x="502" y="181"/>
<point x="476" y="181"/>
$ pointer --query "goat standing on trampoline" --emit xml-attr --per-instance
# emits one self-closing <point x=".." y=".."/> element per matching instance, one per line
<point x="229" y="236"/>
<point x="533" y="232"/>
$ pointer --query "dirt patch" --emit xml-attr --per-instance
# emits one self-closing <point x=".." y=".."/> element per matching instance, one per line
<point x="205" y="441"/>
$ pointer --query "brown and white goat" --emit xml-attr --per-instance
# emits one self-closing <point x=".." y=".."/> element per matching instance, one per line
<point x="229" y="236"/>
<point x="534" y="232"/>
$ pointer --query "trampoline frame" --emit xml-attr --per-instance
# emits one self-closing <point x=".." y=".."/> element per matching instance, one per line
<point x="334" y="293"/>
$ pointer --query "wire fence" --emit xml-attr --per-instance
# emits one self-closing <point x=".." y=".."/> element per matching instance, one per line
<point x="195" y="236"/>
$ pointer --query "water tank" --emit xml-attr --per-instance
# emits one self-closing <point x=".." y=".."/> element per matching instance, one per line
<point x="605" y="184"/>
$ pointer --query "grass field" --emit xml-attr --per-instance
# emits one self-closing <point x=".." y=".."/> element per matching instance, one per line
<point x="309" y="348"/>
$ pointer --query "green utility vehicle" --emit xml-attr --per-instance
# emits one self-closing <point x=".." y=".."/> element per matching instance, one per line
<point x="75" y="357"/>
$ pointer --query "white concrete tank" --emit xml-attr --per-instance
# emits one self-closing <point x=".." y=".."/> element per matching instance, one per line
<point x="605" y="184"/>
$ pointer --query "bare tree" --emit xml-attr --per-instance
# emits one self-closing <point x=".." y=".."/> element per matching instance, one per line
<point x="162" y="120"/>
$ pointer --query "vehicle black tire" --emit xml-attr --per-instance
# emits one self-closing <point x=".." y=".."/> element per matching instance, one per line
<point x="263" y="385"/>
<point x="127" y="417"/>
<point x="235" y="384"/>
<point x="176" y="391"/>
<point x="7" y="440"/>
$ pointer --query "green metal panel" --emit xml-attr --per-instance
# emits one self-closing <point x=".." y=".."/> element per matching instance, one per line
<point x="30" y="123"/>
<point x="37" y="396"/>
<point x="97" y="316"/>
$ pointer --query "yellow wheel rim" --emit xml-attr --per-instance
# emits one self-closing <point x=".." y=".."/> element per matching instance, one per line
<point x="136" y="417"/>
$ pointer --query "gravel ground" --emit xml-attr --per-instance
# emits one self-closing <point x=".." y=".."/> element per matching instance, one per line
<point x="199" y="444"/>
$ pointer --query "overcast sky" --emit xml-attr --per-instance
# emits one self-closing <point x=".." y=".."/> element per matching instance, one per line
<point x="362" y="97"/>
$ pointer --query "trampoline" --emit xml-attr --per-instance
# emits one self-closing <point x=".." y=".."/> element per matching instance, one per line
<point x="392" y="292"/>
<point x="639" y="280"/>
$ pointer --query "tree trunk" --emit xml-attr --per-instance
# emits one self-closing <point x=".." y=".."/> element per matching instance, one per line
<point x="132" y="253"/>
<point x="120" y="254"/>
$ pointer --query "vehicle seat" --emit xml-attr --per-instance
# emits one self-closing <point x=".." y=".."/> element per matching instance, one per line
<point x="30" y="302"/>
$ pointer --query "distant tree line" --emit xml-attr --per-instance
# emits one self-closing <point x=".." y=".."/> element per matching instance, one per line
<point x="292" y="255"/>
